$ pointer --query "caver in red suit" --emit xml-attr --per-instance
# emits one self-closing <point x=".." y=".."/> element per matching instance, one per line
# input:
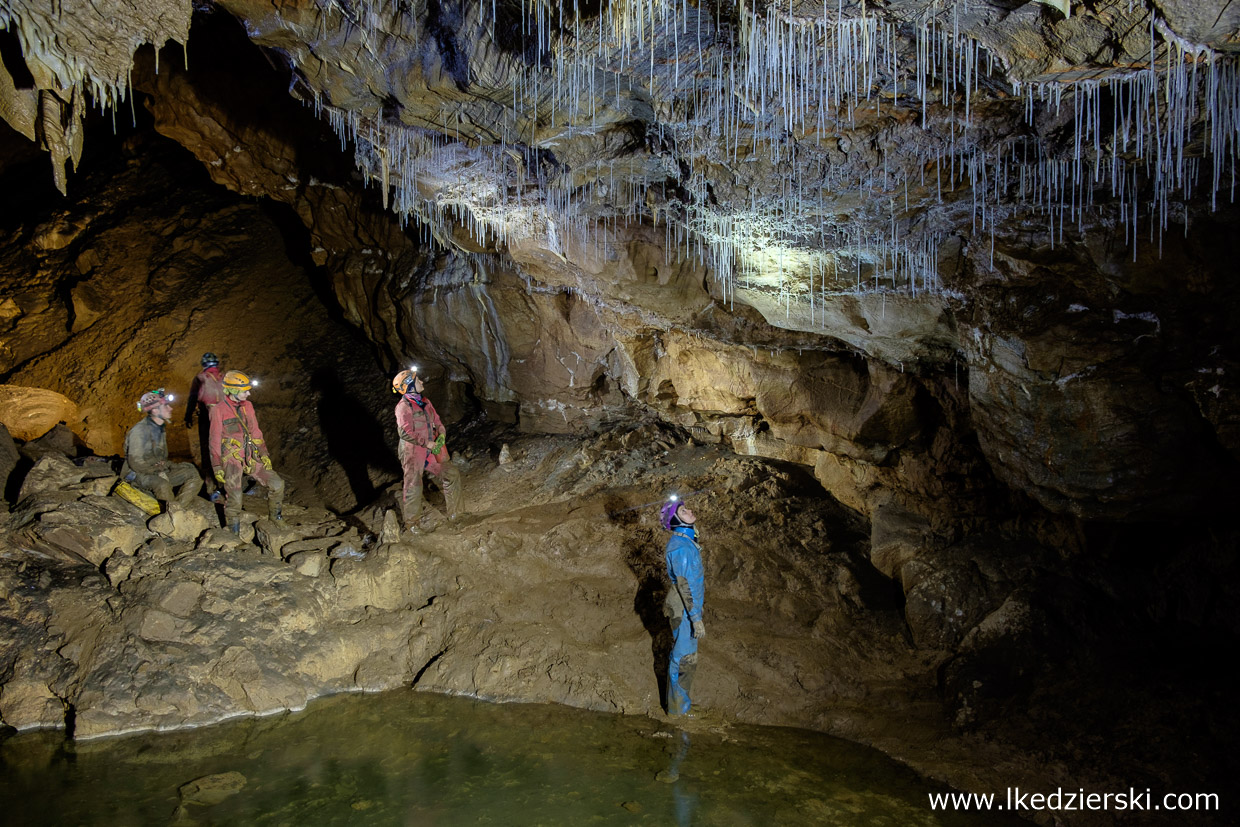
<point x="238" y="448"/>
<point x="422" y="450"/>
<point x="205" y="393"/>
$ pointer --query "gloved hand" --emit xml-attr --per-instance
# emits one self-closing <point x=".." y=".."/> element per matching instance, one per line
<point x="437" y="445"/>
<point x="698" y="628"/>
<point x="219" y="475"/>
<point x="266" y="461"/>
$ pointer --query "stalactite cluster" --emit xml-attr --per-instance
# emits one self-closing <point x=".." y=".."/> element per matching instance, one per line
<point x="768" y="96"/>
<point x="76" y="56"/>
<point x="809" y="149"/>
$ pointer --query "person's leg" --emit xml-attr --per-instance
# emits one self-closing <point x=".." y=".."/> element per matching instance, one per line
<point x="681" y="667"/>
<point x="413" y="462"/>
<point x="204" y="442"/>
<point x="234" y="476"/>
<point x="275" y="490"/>
<point x="450" y="482"/>
<point x="184" y="477"/>
<point x="156" y="484"/>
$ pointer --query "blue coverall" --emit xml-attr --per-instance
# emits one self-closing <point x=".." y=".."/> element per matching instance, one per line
<point x="684" y="567"/>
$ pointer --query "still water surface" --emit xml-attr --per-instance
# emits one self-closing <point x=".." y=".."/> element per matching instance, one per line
<point x="412" y="758"/>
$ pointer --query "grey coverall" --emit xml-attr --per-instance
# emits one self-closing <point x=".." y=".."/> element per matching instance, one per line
<point x="147" y="466"/>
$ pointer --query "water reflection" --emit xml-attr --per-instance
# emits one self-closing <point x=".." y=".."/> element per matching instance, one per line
<point x="407" y="758"/>
<point x="684" y="797"/>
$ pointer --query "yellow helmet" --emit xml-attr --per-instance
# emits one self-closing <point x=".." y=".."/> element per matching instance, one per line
<point x="404" y="380"/>
<point x="236" y="382"/>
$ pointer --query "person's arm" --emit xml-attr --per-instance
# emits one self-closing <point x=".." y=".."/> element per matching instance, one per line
<point x="191" y="404"/>
<point x="256" y="434"/>
<point x="438" y="434"/>
<point x="687" y="575"/>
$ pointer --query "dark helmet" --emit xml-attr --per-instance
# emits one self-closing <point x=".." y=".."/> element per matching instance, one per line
<point x="210" y="360"/>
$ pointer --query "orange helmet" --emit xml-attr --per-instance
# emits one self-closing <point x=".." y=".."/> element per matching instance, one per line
<point x="403" y="381"/>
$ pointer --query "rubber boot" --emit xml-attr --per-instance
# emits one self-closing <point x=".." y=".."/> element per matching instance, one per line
<point x="276" y="514"/>
<point x="236" y="527"/>
<point x="688" y="668"/>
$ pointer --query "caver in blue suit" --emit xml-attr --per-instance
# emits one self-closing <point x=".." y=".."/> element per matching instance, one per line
<point x="684" y="608"/>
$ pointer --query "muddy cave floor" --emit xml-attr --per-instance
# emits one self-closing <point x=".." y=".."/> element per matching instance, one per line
<point x="553" y="595"/>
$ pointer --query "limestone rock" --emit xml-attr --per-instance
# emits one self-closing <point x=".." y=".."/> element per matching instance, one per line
<point x="387" y="578"/>
<point x="212" y="789"/>
<point x="272" y="536"/>
<point x="309" y="563"/>
<point x="896" y="536"/>
<point x="29" y="702"/>
<point x="59" y="440"/>
<point x="942" y="605"/>
<point x="391" y="531"/>
<point x="222" y="538"/>
<point x="29" y="413"/>
<point x="9" y="458"/>
<point x="52" y="472"/>
<point x="157" y="625"/>
<point x="180" y="524"/>
<point x="93" y="528"/>
<point x="180" y="598"/>
<point x="308" y="544"/>
<point x="118" y="567"/>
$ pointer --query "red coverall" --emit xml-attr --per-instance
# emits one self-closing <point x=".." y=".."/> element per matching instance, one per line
<point x="237" y="449"/>
<point x="208" y="388"/>
<point x="418" y="426"/>
<point x="206" y="392"/>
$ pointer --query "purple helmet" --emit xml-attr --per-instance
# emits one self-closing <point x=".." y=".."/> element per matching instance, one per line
<point x="668" y="513"/>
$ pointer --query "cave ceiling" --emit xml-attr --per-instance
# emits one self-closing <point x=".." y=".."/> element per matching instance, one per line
<point x="912" y="180"/>
<point x="803" y="149"/>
